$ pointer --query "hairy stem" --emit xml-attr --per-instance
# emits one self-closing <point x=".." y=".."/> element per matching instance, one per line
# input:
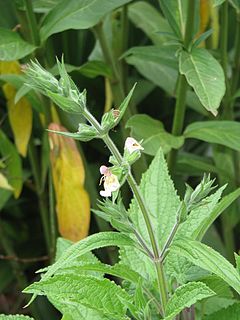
<point x="134" y="187"/>
<point x="180" y="106"/>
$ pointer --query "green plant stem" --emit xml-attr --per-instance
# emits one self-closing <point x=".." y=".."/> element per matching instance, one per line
<point x="236" y="68"/>
<point x="227" y="115"/>
<point x="170" y="239"/>
<point x="178" y="119"/>
<point x="124" y="46"/>
<point x="32" y="23"/>
<point x="227" y="111"/>
<point x="180" y="106"/>
<point x="116" y="85"/>
<point x="134" y="187"/>
<point x="41" y="198"/>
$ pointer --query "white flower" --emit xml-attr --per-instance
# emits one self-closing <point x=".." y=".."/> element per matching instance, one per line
<point x="132" y="145"/>
<point x="111" y="182"/>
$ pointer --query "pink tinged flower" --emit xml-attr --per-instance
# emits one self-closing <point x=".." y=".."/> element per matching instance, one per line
<point x="111" y="182"/>
<point x="132" y="145"/>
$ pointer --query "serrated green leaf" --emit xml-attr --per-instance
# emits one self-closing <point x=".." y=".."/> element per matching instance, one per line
<point x="77" y="14"/>
<point x="12" y="46"/>
<point x="147" y="18"/>
<point x="153" y="134"/>
<point x="226" y="133"/>
<point x="185" y="296"/>
<point x="230" y="313"/>
<point x="162" y="201"/>
<point x="98" y="294"/>
<point x="95" y="241"/>
<point x="205" y="257"/>
<point x="14" y="317"/>
<point x="205" y="75"/>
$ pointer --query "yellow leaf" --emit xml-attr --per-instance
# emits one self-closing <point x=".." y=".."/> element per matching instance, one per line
<point x="108" y="96"/>
<point x="205" y="7"/>
<point x="215" y="26"/>
<point x="72" y="200"/>
<point x="4" y="183"/>
<point x="20" y="114"/>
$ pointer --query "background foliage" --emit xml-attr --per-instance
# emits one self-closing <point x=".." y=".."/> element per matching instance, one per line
<point x="186" y="101"/>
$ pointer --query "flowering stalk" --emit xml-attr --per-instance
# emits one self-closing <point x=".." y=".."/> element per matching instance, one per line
<point x="135" y="190"/>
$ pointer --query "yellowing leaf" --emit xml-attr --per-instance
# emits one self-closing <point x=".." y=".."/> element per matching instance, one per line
<point x="4" y="183"/>
<point x="73" y="205"/>
<point x="20" y="114"/>
<point x="204" y="14"/>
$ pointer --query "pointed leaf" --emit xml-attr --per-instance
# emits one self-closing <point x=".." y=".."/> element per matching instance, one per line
<point x="226" y="133"/>
<point x="205" y="75"/>
<point x="185" y="296"/>
<point x="95" y="241"/>
<point x="208" y="259"/>
<point x="77" y="14"/>
<point x="230" y="313"/>
<point x="12" y="46"/>
<point x="99" y="294"/>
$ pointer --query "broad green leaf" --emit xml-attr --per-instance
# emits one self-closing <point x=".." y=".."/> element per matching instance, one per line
<point x="77" y="14"/>
<point x="205" y="75"/>
<point x="230" y="313"/>
<point x="98" y="294"/>
<point x="208" y="259"/>
<point x="185" y="296"/>
<point x="13" y="164"/>
<point x="153" y="134"/>
<point x="226" y="133"/>
<point x="118" y="270"/>
<point x="175" y="12"/>
<point x="95" y="241"/>
<point x="195" y="165"/>
<point x="12" y="46"/>
<point x="61" y="246"/>
<point x="156" y="64"/>
<point x="148" y="19"/>
<point x="162" y="55"/>
<point x="14" y="317"/>
<point x="162" y="201"/>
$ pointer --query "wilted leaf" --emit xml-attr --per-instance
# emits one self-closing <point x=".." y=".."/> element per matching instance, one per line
<point x="73" y="206"/>
<point x="20" y="114"/>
